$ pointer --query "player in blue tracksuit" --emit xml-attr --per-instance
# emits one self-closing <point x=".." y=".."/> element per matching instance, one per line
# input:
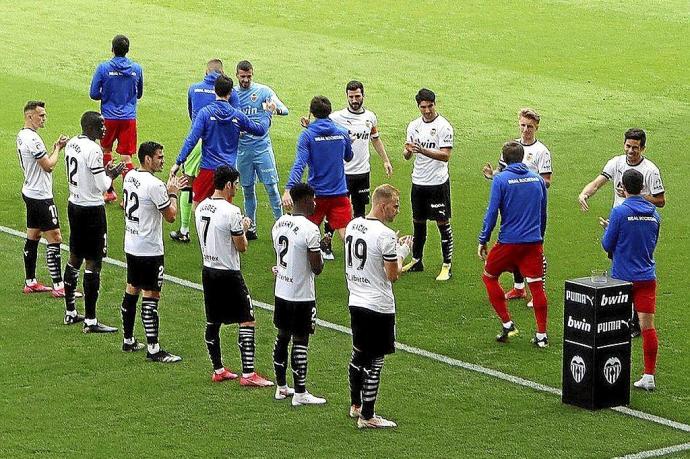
<point x="519" y="195"/>
<point x="118" y="84"/>
<point x="631" y="235"/>
<point x="199" y="95"/>
<point x="255" y="155"/>
<point x="323" y="146"/>
<point x="218" y="125"/>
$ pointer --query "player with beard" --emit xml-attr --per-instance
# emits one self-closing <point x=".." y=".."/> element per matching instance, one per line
<point x="362" y="125"/>
<point x="255" y="156"/>
<point x="147" y="201"/>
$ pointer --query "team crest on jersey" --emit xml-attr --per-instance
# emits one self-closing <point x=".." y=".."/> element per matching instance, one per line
<point x="367" y="123"/>
<point x="253" y="97"/>
<point x="529" y="156"/>
<point x="432" y="132"/>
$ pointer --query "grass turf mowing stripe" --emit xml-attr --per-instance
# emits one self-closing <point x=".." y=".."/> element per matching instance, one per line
<point x="413" y="350"/>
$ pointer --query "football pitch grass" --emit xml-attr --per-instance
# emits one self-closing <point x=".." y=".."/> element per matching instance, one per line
<point x="592" y="69"/>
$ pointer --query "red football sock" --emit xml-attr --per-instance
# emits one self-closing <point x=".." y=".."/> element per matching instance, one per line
<point x="650" y="346"/>
<point x="496" y="297"/>
<point x="540" y="304"/>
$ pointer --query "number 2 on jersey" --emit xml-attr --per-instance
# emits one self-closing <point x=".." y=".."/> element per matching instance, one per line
<point x="283" y="241"/>
<point x="360" y="251"/>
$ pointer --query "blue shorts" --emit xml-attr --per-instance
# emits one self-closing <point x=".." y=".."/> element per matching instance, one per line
<point x="252" y="164"/>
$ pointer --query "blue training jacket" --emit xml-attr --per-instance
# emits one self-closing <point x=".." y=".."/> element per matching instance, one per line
<point x="630" y="239"/>
<point x="520" y="196"/>
<point x="203" y="93"/>
<point x="118" y="83"/>
<point x="323" y="146"/>
<point x="218" y="125"/>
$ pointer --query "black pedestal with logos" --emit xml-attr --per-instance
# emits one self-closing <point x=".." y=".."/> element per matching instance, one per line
<point x="596" y="343"/>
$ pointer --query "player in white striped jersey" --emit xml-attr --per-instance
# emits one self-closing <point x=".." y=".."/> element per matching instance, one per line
<point x="88" y="179"/>
<point x="222" y="234"/>
<point x="362" y="125"/>
<point x="634" y="146"/>
<point x="37" y="193"/>
<point x="430" y="141"/>
<point x="297" y="243"/>
<point x="147" y="200"/>
<point x="373" y="261"/>
<point x="538" y="159"/>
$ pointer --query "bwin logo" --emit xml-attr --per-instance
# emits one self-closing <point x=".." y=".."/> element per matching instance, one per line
<point x="581" y="298"/>
<point x="612" y="370"/>
<point x="577" y="368"/>
<point x="618" y="299"/>
<point x="579" y="324"/>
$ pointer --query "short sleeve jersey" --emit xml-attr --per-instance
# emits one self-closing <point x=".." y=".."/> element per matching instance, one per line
<point x="217" y="221"/>
<point x="145" y="197"/>
<point x="615" y="168"/>
<point x="537" y="158"/>
<point x="362" y="127"/>
<point x="84" y="160"/>
<point x="293" y="238"/>
<point x="38" y="184"/>
<point x="368" y="244"/>
<point x="435" y="135"/>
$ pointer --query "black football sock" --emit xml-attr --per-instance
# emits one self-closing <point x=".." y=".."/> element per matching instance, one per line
<point x="30" y="254"/>
<point x="71" y="281"/>
<point x="129" y="312"/>
<point x="355" y="375"/>
<point x="212" y="337"/>
<point x="419" y="240"/>
<point x="280" y="357"/>
<point x="92" y="284"/>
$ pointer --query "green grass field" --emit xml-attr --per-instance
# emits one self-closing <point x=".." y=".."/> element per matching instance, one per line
<point x="592" y="69"/>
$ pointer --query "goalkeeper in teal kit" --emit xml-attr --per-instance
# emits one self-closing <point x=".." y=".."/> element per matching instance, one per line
<point x="255" y="153"/>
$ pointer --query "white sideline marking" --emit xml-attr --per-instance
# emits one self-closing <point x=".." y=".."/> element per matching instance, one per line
<point x="424" y="353"/>
<point x="658" y="452"/>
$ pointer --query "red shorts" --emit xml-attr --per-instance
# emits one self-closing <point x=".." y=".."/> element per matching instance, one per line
<point x="337" y="209"/>
<point x="644" y="296"/>
<point x="202" y="187"/>
<point x="125" y="132"/>
<point x="526" y="258"/>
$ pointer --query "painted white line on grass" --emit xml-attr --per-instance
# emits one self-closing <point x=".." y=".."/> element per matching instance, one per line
<point x="658" y="452"/>
<point x="413" y="350"/>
